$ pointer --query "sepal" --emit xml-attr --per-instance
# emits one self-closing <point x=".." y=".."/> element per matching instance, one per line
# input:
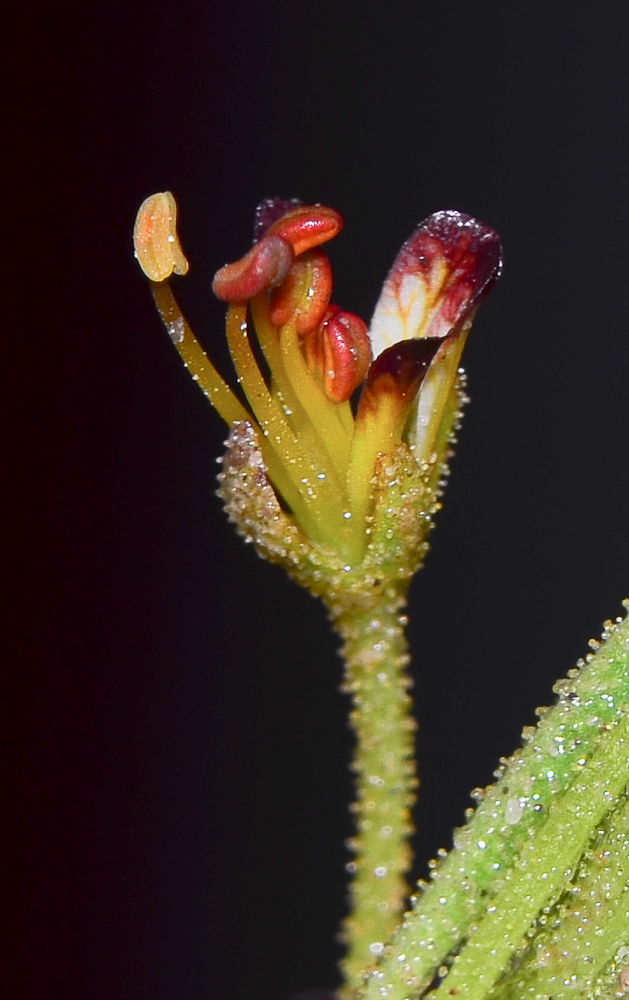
<point x="396" y="534"/>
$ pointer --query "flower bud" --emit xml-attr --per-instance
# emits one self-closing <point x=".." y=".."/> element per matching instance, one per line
<point x="339" y="352"/>
<point x="264" y="266"/>
<point x="155" y="239"/>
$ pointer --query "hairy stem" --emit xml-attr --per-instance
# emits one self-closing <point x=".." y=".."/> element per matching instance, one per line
<point x="375" y="653"/>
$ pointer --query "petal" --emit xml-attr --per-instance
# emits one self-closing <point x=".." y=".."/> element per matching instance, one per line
<point x="393" y="381"/>
<point x="438" y="276"/>
<point x="390" y="389"/>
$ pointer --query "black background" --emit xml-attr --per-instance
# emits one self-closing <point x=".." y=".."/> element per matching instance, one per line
<point x="178" y="746"/>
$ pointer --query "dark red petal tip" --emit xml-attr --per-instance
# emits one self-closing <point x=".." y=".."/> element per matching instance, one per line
<point x="465" y="244"/>
<point x="398" y="371"/>
<point x="472" y="255"/>
<point x="436" y="280"/>
<point x="269" y="211"/>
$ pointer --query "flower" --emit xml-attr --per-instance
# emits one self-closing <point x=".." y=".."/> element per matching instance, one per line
<point x="299" y="361"/>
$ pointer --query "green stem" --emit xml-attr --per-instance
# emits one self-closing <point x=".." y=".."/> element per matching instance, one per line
<point x="375" y="654"/>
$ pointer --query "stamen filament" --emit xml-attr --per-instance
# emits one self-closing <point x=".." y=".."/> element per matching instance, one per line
<point x="346" y="417"/>
<point x="194" y="357"/>
<point x="221" y="396"/>
<point x="282" y="388"/>
<point x="321" y="411"/>
<point x="275" y="429"/>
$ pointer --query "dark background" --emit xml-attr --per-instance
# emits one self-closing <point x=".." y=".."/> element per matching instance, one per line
<point x="178" y="748"/>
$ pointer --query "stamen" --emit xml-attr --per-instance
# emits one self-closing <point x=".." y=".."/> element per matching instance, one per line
<point x="276" y="431"/>
<point x="323" y="413"/>
<point x="282" y="388"/>
<point x="307" y="226"/>
<point x="157" y="247"/>
<point x="304" y="296"/>
<point x="338" y="351"/>
<point x="194" y="357"/>
<point x="264" y="266"/>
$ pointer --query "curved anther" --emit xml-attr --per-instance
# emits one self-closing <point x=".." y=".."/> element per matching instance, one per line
<point x="264" y="266"/>
<point x="339" y="352"/>
<point x="304" y="295"/>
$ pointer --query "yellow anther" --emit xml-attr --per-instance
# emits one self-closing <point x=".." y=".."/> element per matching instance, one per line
<point x="155" y="239"/>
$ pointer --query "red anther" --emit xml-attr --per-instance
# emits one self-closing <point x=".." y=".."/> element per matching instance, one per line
<point x="307" y="226"/>
<point x="339" y="352"/>
<point x="304" y="295"/>
<point x="264" y="266"/>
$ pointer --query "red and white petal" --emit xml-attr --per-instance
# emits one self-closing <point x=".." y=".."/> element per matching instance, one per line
<point x="438" y="276"/>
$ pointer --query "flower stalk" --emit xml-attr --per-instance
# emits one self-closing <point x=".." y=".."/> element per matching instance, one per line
<point x="341" y="491"/>
<point x="375" y="654"/>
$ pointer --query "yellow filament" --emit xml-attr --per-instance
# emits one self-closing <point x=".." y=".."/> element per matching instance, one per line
<point x="320" y="409"/>
<point x="345" y="415"/>
<point x="194" y="357"/>
<point x="269" y="342"/>
<point x="316" y="494"/>
<point x="282" y="387"/>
